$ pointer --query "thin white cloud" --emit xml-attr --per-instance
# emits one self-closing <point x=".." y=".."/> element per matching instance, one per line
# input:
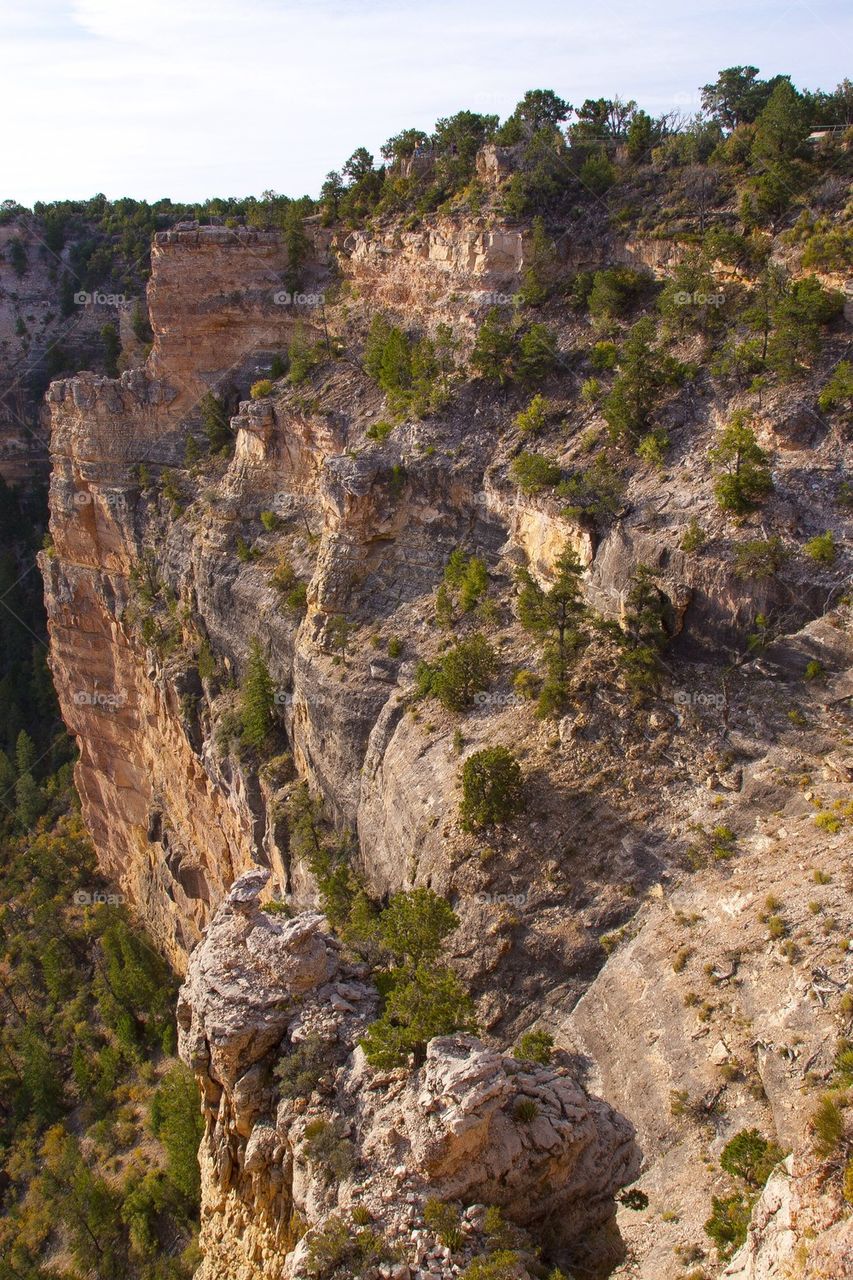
<point x="191" y="98"/>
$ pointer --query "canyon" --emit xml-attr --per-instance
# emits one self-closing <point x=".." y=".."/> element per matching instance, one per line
<point x="606" y="914"/>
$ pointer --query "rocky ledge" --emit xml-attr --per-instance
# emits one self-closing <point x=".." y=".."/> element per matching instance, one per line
<point x="308" y="1150"/>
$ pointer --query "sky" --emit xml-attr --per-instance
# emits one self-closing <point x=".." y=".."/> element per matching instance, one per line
<point x="196" y="98"/>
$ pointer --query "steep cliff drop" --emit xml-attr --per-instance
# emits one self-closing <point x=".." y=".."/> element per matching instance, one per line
<point x="320" y="544"/>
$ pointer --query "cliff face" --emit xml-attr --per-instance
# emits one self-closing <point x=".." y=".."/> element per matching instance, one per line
<point x="157" y="562"/>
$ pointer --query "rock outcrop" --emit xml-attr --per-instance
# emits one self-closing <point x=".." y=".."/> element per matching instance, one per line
<point x="471" y="1127"/>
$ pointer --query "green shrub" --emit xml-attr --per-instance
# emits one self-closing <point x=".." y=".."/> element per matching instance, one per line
<point x="214" y="421"/>
<point x="245" y="551"/>
<point x="296" y="599"/>
<point x="263" y="387"/>
<point x="827" y="1125"/>
<point x="303" y="356"/>
<point x="301" y="1070"/>
<point x="326" y="1146"/>
<point x="535" y="1046"/>
<point x="591" y="390"/>
<point x="597" y="174"/>
<point x="598" y="492"/>
<point x="503" y="1264"/>
<point x="743" y="474"/>
<point x="533" y="472"/>
<point x="760" y="557"/>
<point x="177" y="1121"/>
<point x="821" y="548"/>
<point x="838" y="390"/>
<point x="462" y="672"/>
<point x="444" y="1219"/>
<point x="534" y="417"/>
<point x="492" y="788"/>
<point x="604" y="356"/>
<point x="615" y="290"/>
<point x="694" y="537"/>
<point x="424" y="1002"/>
<point x="335" y="1250"/>
<point x="750" y="1156"/>
<point x="270" y="521"/>
<point x="525" y="1111"/>
<point x="257" y="699"/>
<point x="728" y="1223"/>
<point x="380" y="431"/>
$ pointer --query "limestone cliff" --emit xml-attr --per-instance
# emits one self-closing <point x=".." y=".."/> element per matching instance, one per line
<point x="162" y="574"/>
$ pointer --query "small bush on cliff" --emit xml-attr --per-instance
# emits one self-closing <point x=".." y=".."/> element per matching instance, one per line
<point x="838" y="390"/>
<point x="423" y="997"/>
<point x="214" y="421"/>
<point x="300" y="1071"/>
<point x="492" y="788"/>
<point x="559" y="617"/>
<point x="424" y="1002"/>
<point x="303" y="356"/>
<point x="503" y="1264"/>
<point x="596" y="494"/>
<point x="445" y="1220"/>
<point x="827" y="1125"/>
<point x="615" y="291"/>
<point x="533" y="472"/>
<point x="112" y="348"/>
<point x="534" y="417"/>
<point x="760" y="558"/>
<point x="821" y="548"/>
<point x="728" y="1222"/>
<point x="743" y="474"/>
<point x="263" y="387"/>
<point x="645" y="372"/>
<point x="463" y="672"/>
<point x="335" y="1250"/>
<point x="257" y="700"/>
<point x="326" y="1146"/>
<point x="535" y="1046"/>
<point x="750" y="1156"/>
<point x="466" y="580"/>
<point x="504" y="352"/>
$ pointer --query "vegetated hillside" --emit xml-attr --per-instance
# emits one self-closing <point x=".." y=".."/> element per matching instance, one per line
<point x="518" y="581"/>
<point x="99" y="1123"/>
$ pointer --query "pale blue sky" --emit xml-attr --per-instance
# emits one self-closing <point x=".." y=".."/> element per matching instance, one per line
<point x="193" y="98"/>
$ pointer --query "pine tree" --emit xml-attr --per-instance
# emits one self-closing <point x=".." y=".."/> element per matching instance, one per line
<point x="558" y="615"/>
<point x="744" y="478"/>
<point x="257" y="699"/>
